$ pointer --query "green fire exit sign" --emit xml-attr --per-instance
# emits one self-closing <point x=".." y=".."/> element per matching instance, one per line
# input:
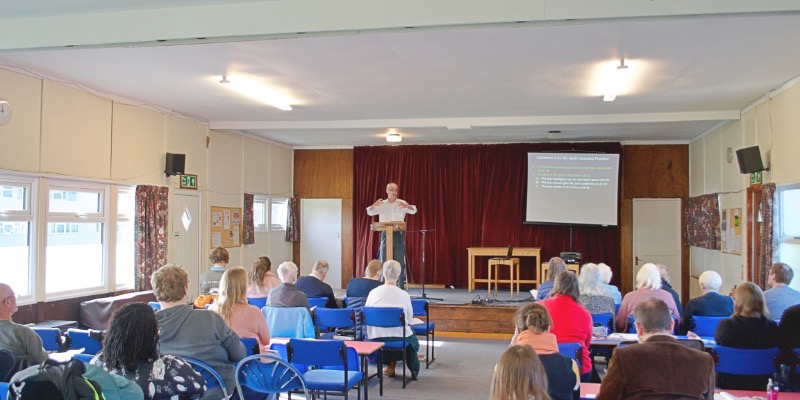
<point x="189" y="182"/>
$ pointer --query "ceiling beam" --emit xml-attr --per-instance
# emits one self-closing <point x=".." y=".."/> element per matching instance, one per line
<point x="78" y="27"/>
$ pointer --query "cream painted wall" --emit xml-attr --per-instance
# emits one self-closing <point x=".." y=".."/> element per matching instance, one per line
<point x="137" y="145"/>
<point x="786" y="136"/>
<point x="20" y="138"/>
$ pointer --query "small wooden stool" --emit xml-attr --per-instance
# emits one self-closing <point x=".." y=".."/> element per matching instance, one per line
<point x="513" y="268"/>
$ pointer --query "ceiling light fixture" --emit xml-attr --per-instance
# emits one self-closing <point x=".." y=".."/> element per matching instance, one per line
<point x="393" y="136"/>
<point x="616" y="81"/>
<point x="257" y="91"/>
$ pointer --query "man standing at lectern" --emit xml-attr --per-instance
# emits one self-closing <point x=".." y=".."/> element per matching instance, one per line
<point x="393" y="210"/>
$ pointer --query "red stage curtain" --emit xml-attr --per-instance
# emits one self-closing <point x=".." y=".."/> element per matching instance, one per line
<point x="470" y="196"/>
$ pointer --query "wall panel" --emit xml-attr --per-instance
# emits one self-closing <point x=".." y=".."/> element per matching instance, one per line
<point x="137" y="145"/>
<point x="20" y="149"/>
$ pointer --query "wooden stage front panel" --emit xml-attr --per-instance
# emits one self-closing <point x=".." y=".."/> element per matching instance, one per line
<point x="472" y="318"/>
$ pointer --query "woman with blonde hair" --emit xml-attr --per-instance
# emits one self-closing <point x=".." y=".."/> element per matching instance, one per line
<point x="519" y="375"/>
<point x="231" y="305"/>
<point x="648" y="284"/>
<point x="261" y="279"/>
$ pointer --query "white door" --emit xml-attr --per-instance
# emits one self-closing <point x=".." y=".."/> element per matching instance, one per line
<point x="321" y="237"/>
<point x="657" y="236"/>
<point x="186" y="238"/>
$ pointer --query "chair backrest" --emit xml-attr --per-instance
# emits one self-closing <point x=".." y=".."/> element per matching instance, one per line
<point x="212" y="377"/>
<point x="335" y="318"/>
<point x="154" y="305"/>
<point x="291" y="322"/>
<point x="7" y="362"/>
<point x="384" y="317"/>
<point x="280" y="348"/>
<point x="51" y="338"/>
<point x="420" y="307"/>
<point x="3" y="390"/>
<point x="257" y="301"/>
<point x="571" y="350"/>
<point x="251" y="345"/>
<point x="268" y="373"/>
<point x="606" y="320"/>
<point x="81" y="339"/>
<point x="353" y="361"/>
<point x="631" y="328"/>
<point x="510" y="251"/>
<point x="320" y="353"/>
<point x="693" y="344"/>
<point x="745" y="361"/>
<point x="705" y="326"/>
<point x="318" y="302"/>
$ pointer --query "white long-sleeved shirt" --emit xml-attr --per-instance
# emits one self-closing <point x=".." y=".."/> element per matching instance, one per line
<point x="390" y="296"/>
<point x="389" y="212"/>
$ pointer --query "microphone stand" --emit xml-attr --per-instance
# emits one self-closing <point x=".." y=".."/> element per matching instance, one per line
<point x="424" y="295"/>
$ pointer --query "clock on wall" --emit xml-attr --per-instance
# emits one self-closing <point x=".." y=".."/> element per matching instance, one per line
<point x="5" y="112"/>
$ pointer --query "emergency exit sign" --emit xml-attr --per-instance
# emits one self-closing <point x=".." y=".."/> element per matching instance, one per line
<point x="189" y="182"/>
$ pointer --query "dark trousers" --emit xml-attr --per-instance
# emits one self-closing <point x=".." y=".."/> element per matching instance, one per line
<point x="399" y="253"/>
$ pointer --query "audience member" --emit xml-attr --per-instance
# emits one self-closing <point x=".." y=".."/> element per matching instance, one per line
<point x="594" y="296"/>
<point x="747" y="328"/>
<point x="130" y="349"/>
<point x="788" y="335"/>
<point x="555" y="266"/>
<point x="709" y="304"/>
<point x="390" y="295"/>
<point x="358" y="288"/>
<point x="606" y="273"/>
<point x="519" y="375"/>
<point x="261" y="279"/>
<point x="780" y="296"/>
<point x="246" y="320"/>
<point x="571" y="322"/>
<point x="648" y="284"/>
<point x="532" y="328"/>
<point x="21" y="341"/>
<point x="314" y="284"/>
<point x="659" y="367"/>
<point x="209" y="280"/>
<point x="666" y="284"/>
<point x="287" y="294"/>
<point x="187" y="332"/>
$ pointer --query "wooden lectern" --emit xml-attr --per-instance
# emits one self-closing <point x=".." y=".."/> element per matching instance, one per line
<point x="389" y="228"/>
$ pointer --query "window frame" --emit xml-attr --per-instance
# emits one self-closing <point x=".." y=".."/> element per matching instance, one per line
<point x="26" y="215"/>
<point x="782" y="236"/>
<point x="265" y="200"/>
<point x="118" y="217"/>
<point x="282" y="227"/>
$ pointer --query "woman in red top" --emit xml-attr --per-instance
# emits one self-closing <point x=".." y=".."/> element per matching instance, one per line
<point x="571" y="322"/>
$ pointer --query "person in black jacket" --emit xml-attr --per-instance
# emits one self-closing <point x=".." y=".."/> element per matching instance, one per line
<point x="313" y="285"/>
<point x="710" y="304"/>
<point x="666" y="284"/>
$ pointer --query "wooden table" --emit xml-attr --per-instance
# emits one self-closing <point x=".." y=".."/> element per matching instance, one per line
<point x="590" y="390"/>
<point x="473" y="252"/>
<point x="364" y="349"/>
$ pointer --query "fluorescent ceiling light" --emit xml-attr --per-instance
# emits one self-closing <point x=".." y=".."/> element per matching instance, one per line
<point x="616" y="81"/>
<point x="393" y="136"/>
<point x="256" y="91"/>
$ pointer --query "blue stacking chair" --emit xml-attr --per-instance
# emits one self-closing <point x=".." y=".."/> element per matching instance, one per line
<point x="280" y="349"/>
<point x="631" y="328"/>
<point x="80" y="338"/>
<point x="705" y="326"/>
<point x="571" y="350"/>
<point x="428" y="329"/>
<point x="154" y="305"/>
<point x="251" y="345"/>
<point x="606" y="320"/>
<point x="289" y="322"/>
<point x="326" y="353"/>
<point x="3" y="390"/>
<point x="388" y="317"/>
<point x="51" y="338"/>
<point x="752" y="362"/>
<point x="212" y="377"/>
<point x="257" y="301"/>
<point x="269" y="374"/>
<point x="337" y="318"/>
<point x="318" y="302"/>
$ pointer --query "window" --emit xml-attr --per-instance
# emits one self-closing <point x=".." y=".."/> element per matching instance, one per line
<point x="788" y="205"/>
<point x="279" y="208"/>
<point x="16" y="235"/>
<point x="126" y="209"/>
<point x="260" y="213"/>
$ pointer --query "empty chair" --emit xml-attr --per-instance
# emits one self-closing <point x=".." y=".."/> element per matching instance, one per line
<point x="428" y="329"/>
<point x="213" y="379"/>
<point x="318" y="302"/>
<point x="746" y="362"/>
<point x="606" y="320"/>
<point x="336" y="318"/>
<point x="250" y="345"/>
<point x="257" y="301"/>
<point x="291" y="322"/>
<point x="51" y="338"/>
<point x="325" y="353"/>
<point x="705" y="326"/>
<point x="571" y="350"/>
<point x="81" y="338"/>
<point x="269" y="374"/>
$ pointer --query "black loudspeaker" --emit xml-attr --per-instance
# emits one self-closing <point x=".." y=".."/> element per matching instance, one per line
<point x="749" y="160"/>
<point x="175" y="164"/>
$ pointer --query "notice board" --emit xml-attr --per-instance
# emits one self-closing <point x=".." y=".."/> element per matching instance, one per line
<point x="226" y="227"/>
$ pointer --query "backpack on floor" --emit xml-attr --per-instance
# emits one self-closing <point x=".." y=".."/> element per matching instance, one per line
<point x="54" y="380"/>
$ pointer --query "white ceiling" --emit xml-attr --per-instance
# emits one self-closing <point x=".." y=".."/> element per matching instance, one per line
<point x="508" y="83"/>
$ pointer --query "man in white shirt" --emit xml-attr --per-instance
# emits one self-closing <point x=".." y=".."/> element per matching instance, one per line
<point x="391" y="210"/>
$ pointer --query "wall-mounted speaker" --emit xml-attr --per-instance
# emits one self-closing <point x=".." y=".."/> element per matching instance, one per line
<point x="175" y="164"/>
<point x="749" y="160"/>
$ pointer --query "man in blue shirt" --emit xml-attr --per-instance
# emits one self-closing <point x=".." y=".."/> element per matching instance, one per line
<point x="358" y="288"/>
<point x="780" y="296"/>
<point x="313" y="285"/>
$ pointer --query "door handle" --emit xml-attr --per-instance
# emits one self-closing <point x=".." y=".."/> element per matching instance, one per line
<point x="637" y="260"/>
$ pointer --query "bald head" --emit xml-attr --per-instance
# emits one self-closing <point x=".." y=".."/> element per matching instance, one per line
<point x="9" y="302"/>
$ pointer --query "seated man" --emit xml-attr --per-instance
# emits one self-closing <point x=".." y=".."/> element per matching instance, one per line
<point x="287" y="294"/>
<point x="187" y="332"/>
<point x="314" y="284"/>
<point x="21" y="341"/>
<point x="780" y="296"/>
<point x="788" y="335"/>
<point x="358" y="288"/>
<point x="659" y="366"/>
<point x="390" y="295"/>
<point x="710" y="304"/>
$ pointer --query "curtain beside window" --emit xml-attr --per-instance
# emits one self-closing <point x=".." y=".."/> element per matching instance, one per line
<point x="249" y="226"/>
<point x="152" y="218"/>
<point x="769" y="243"/>
<point x="292" y="224"/>
<point x="702" y="222"/>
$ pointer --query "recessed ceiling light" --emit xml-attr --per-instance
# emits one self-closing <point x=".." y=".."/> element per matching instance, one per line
<point x="393" y="136"/>
<point x="616" y="81"/>
<point x="257" y="91"/>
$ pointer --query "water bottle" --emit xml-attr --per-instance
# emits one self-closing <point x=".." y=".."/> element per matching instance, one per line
<point x="772" y="390"/>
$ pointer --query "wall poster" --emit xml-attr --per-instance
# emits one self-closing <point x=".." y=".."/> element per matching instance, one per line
<point x="731" y="230"/>
<point x="226" y="227"/>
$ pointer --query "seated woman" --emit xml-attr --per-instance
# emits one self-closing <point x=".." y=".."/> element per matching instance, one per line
<point x="390" y="295"/>
<point x="261" y="279"/>
<point x="648" y="284"/>
<point x="231" y="304"/>
<point x="130" y="349"/>
<point x="710" y="304"/>
<point x="571" y="322"/>
<point x="748" y="328"/>
<point x="554" y="267"/>
<point x="533" y="329"/>
<point x="594" y="296"/>
<point x="612" y="290"/>
<point x="519" y="375"/>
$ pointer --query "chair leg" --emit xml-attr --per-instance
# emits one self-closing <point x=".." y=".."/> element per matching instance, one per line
<point x="489" y="288"/>
<point x="427" y="348"/>
<point x="433" y="348"/>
